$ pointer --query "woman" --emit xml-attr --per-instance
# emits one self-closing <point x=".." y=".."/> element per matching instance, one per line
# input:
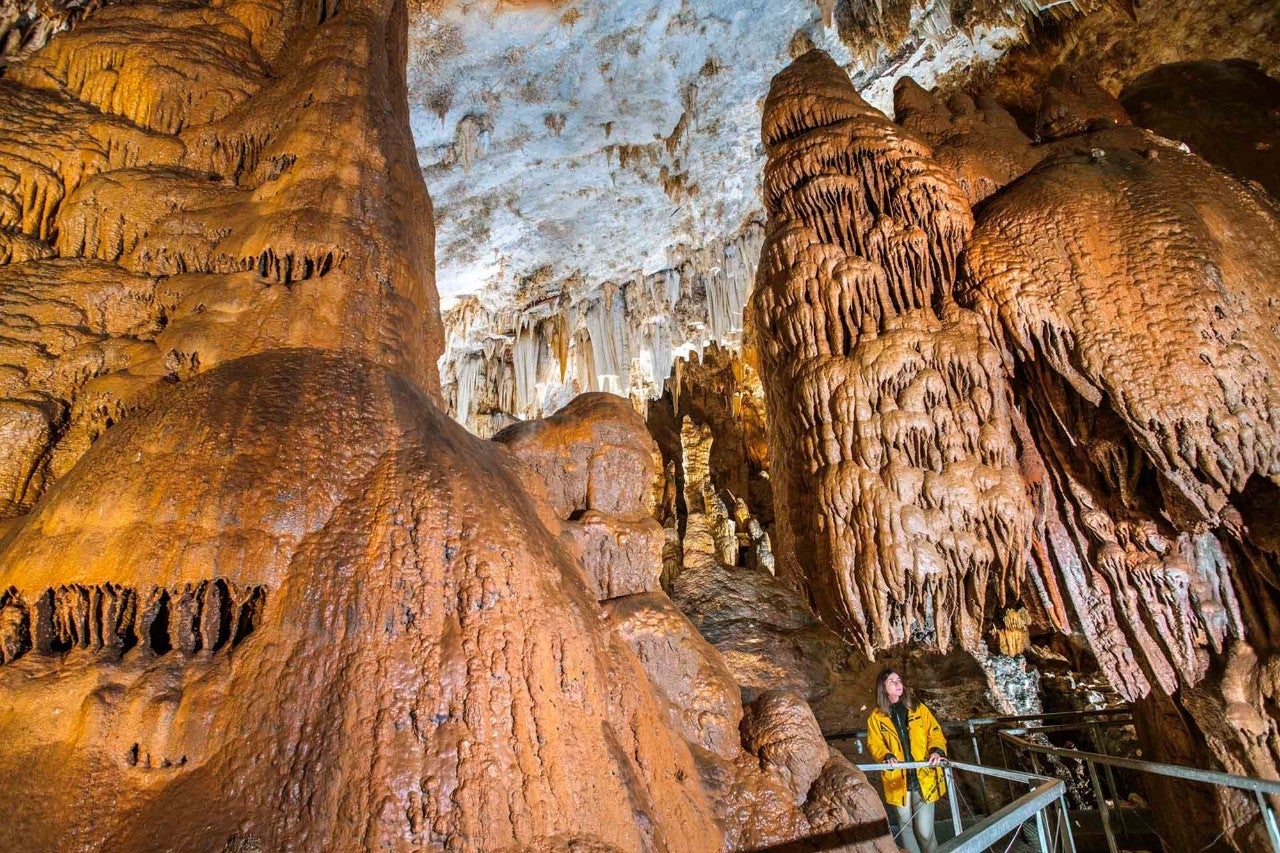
<point x="902" y="730"/>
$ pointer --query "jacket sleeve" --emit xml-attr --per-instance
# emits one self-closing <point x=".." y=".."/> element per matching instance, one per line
<point x="876" y="745"/>
<point x="934" y="738"/>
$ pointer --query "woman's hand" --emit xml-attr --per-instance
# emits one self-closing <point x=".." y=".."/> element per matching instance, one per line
<point x="890" y="759"/>
<point x="936" y="758"/>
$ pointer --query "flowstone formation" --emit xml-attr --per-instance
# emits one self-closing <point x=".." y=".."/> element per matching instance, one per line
<point x="769" y="773"/>
<point x="258" y="592"/>
<point x="897" y="490"/>
<point x="162" y="167"/>
<point x="1131" y="288"/>
<point x="1139" y="323"/>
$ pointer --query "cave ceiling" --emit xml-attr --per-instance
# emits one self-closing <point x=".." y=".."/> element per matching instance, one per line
<point x="571" y="144"/>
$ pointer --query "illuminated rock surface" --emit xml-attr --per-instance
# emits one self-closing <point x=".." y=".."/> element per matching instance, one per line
<point x="898" y="494"/>
<point x="282" y="601"/>
<point x="1004" y="399"/>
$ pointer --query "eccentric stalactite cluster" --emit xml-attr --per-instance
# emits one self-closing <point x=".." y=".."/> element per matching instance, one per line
<point x="898" y="493"/>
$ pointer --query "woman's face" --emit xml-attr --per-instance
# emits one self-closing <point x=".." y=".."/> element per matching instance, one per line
<point x="893" y="687"/>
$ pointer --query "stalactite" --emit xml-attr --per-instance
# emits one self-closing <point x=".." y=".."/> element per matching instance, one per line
<point x="898" y="494"/>
<point x="618" y="338"/>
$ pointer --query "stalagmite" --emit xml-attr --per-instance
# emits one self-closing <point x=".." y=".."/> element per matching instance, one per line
<point x="897" y="491"/>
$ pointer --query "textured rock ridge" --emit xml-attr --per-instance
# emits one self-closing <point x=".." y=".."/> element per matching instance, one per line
<point x="768" y="772"/>
<point x="899" y="499"/>
<point x="179" y="155"/>
<point x="977" y="140"/>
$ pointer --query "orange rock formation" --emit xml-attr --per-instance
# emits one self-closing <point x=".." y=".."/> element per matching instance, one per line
<point x="258" y="591"/>
<point x="898" y="494"/>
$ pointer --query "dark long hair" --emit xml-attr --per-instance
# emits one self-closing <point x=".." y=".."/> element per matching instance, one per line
<point x="882" y="698"/>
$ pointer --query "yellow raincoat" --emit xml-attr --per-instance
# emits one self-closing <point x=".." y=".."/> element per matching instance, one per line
<point x="883" y="741"/>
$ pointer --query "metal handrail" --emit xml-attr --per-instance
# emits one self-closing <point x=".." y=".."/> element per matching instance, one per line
<point x="969" y="725"/>
<point x="1045" y="793"/>
<point x="1260" y="787"/>
<point x="1178" y="771"/>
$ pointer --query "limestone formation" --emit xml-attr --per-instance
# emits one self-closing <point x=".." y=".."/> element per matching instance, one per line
<point x="1227" y="112"/>
<point x="417" y="661"/>
<point x="1133" y="287"/>
<point x="760" y="766"/>
<point x="977" y="140"/>
<point x="595" y="454"/>
<point x="508" y="363"/>
<point x="897" y="490"/>
<point x="260" y="592"/>
<point x="1072" y="101"/>
<point x="179" y="155"/>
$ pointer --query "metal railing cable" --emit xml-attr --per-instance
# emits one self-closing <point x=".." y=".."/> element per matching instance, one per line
<point x="1262" y="789"/>
<point x="1045" y="794"/>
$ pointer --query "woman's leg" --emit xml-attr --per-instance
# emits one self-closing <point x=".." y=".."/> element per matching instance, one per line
<point x="903" y="814"/>
<point x="924" y="827"/>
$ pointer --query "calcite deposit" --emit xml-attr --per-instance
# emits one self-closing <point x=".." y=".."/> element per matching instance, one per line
<point x="1142" y="331"/>
<point x="163" y="171"/>
<point x="897" y="489"/>
<point x="258" y="590"/>
<point x="1008" y="377"/>
<point x="976" y="140"/>
<point x="766" y="768"/>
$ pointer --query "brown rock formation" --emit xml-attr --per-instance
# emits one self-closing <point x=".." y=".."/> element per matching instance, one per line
<point x="897" y="492"/>
<point x="283" y="602"/>
<point x="978" y="141"/>
<point x="409" y="657"/>
<point x="760" y="768"/>
<point x="1114" y="47"/>
<point x="1072" y="102"/>
<point x="594" y="454"/>
<point x="1134" y="287"/>
<point x="182" y="154"/>
<point x="1227" y="112"/>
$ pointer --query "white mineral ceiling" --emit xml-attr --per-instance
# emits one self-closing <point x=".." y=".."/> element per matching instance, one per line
<point x="573" y="148"/>
<point x="590" y="139"/>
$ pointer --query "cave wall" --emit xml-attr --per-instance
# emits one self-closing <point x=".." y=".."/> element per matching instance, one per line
<point x="160" y="216"/>
<point x="268" y="595"/>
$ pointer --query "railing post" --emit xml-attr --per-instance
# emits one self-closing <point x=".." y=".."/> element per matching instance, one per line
<point x="1269" y="820"/>
<point x="1040" y="831"/>
<point x="955" y="803"/>
<point x="1103" y="811"/>
<point x="977" y="759"/>
<point x="1068" y="837"/>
